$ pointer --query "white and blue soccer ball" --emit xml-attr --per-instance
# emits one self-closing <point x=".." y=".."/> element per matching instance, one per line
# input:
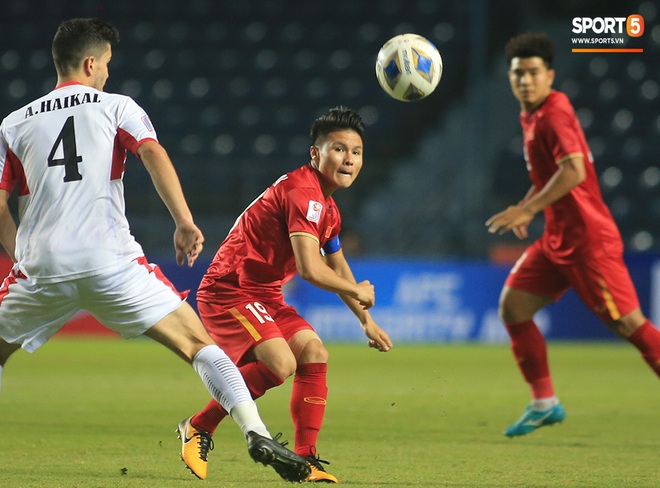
<point x="408" y="67"/>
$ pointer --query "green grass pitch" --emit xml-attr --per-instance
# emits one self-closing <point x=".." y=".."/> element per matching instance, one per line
<point x="96" y="413"/>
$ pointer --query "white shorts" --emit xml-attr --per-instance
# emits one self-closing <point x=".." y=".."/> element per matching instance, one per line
<point x="129" y="301"/>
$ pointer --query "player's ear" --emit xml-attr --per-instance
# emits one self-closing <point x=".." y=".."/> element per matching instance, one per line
<point x="88" y="65"/>
<point x="314" y="154"/>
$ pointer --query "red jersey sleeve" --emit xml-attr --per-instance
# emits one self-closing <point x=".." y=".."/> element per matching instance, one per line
<point x="7" y="180"/>
<point x="304" y="212"/>
<point x="558" y="129"/>
<point x="13" y="175"/>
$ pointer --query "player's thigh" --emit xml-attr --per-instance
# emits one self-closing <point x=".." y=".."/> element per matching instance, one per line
<point x="132" y="299"/>
<point x="6" y="350"/>
<point x="533" y="282"/>
<point x="239" y="326"/>
<point x="276" y="354"/>
<point x="519" y="306"/>
<point x="181" y="331"/>
<point x="299" y="344"/>
<point x="605" y="286"/>
<point x="303" y="341"/>
<point x="31" y="313"/>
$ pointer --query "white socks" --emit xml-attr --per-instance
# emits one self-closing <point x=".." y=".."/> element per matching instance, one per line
<point x="245" y="414"/>
<point x="226" y="385"/>
<point x="542" y="404"/>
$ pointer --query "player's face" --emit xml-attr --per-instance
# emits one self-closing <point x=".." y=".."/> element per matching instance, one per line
<point x="531" y="81"/>
<point x="100" y="73"/>
<point x="338" y="159"/>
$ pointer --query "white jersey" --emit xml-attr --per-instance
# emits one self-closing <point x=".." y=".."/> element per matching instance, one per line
<point x="65" y="152"/>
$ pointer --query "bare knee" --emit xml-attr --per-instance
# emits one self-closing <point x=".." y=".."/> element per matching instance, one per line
<point x="308" y="348"/>
<point x="276" y="354"/>
<point x="314" y="352"/>
<point x="283" y="361"/>
<point x="510" y="309"/>
<point x="629" y="323"/>
<point x="519" y="306"/>
<point x="506" y="311"/>
<point x="283" y="365"/>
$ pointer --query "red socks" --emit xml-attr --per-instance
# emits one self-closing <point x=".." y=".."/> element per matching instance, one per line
<point x="209" y="417"/>
<point x="308" y="400"/>
<point x="647" y="339"/>
<point x="530" y="351"/>
<point x="258" y="378"/>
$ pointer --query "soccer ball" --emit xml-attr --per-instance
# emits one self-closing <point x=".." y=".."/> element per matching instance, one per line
<point x="408" y="67"/>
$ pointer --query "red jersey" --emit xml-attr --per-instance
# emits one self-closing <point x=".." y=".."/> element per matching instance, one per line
<point x="579" y="224"/>
<point x="256" y="257"/>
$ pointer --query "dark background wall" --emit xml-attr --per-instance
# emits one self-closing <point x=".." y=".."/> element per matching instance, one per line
<point x="233" y="86"/>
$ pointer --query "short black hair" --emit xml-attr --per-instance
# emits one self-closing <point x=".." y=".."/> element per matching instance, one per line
<point x="76" y="39"/>
<point x="337" y="118"/>
<point x="531" y="45"/>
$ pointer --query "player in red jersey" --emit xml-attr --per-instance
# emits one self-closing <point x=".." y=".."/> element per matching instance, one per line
<point x="293" y="227"/>
<point x="65" y="154"/>
<point x="580" y="247"/>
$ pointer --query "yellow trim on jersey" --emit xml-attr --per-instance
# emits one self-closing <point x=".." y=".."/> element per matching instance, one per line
<point x="609" y="301"/>
<point x="305" y="234"/>
<point x="246" y="323"/>
<point x="567" y="157"/>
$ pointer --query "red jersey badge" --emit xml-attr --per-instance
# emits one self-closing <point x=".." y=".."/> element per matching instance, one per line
<point x="314" y="211"/>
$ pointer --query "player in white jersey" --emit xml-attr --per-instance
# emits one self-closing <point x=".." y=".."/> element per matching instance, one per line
<point x="73" y="191"/>
<point x="64" y="154"/>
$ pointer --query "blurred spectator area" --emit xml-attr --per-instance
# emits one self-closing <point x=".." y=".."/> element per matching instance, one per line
<point x="233" y="86"/>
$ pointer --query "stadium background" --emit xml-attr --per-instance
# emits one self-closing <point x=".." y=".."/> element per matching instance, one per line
<point x="232" y="87"/>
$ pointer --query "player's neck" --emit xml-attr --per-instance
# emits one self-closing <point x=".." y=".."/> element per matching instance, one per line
<point x="532" y="107"/>
<point x="73" y="79"/>
<point x="326" y="188"/>
<point x="528" y="108"/>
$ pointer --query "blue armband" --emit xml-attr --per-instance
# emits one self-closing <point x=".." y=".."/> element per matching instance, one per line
<point x="331" y="247"/>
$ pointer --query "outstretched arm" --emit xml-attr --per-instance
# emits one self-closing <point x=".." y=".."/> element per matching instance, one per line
<point x="570" y="173"/>
<point x="312" y="268"/>
<point x="378" y="338"/>
<point x="333" y="273"/>
<point x="521" y="230"/>
<point x="188" y="239"/>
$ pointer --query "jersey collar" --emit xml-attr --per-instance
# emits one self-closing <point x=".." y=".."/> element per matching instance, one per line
<point x="68" y="83"/>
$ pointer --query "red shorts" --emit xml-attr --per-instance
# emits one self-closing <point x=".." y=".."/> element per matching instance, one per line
<point x="239" y="327"/>
<point x="603" y="284"/>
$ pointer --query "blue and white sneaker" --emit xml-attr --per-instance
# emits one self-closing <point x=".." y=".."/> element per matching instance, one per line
<point x="533" y="419"/>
